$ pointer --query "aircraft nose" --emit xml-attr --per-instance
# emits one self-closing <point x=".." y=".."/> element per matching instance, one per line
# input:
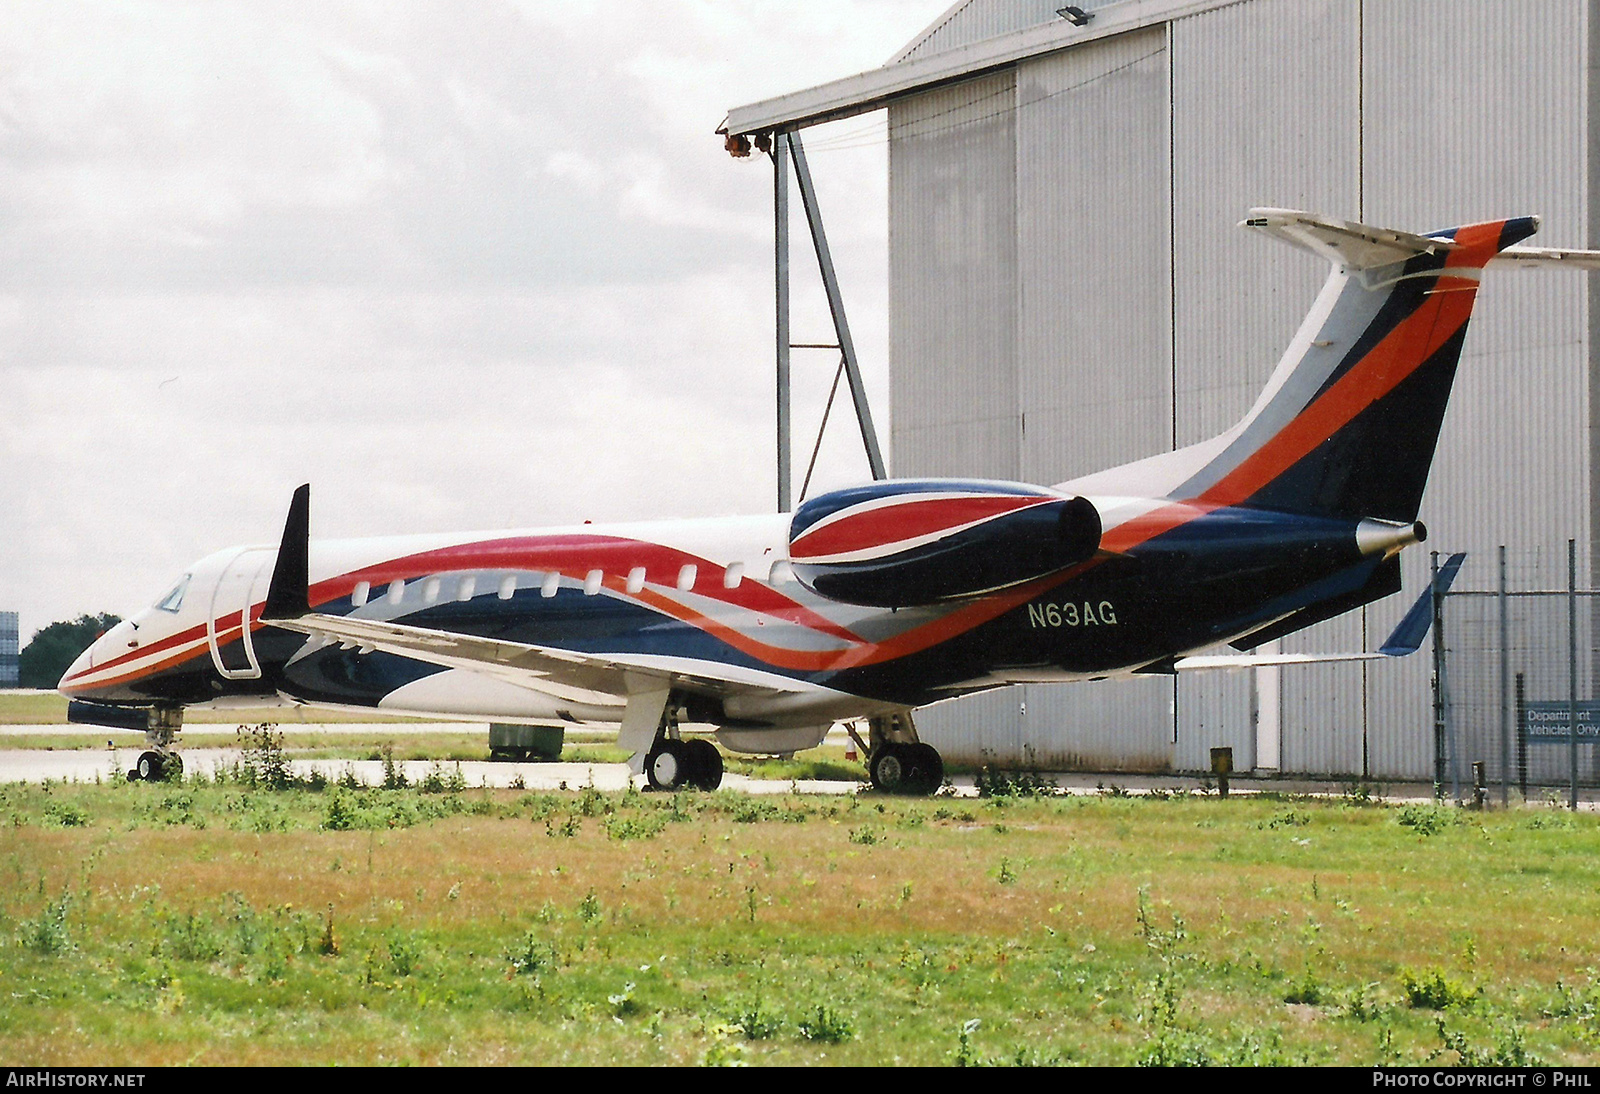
<point x="78" y="682"/>
<point x="71" y="683"/>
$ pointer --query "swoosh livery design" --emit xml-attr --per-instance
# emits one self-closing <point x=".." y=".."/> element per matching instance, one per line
<point x="867" y="602"/>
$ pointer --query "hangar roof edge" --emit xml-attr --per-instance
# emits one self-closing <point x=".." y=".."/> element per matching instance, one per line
<point x="876" y="88"/>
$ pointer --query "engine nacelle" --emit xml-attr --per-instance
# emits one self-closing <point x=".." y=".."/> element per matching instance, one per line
<point x="919" y="541"/>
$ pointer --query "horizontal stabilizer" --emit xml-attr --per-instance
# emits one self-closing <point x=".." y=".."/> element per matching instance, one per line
<point x="1406" y="638"/>
<point x="1344" y="242"/>
<point x="1529" y="257"/>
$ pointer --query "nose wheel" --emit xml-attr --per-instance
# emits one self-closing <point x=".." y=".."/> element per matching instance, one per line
<point x="160" y="760"/>
<point x="154" y="767"/>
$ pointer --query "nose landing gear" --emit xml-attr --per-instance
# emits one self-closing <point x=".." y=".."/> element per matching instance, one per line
<point x="160" y="760"/>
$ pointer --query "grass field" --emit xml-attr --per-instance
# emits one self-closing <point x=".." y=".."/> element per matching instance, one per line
<point x="236" y="924"/>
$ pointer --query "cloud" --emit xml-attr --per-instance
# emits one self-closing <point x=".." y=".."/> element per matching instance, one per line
<point x="457" y="265"/>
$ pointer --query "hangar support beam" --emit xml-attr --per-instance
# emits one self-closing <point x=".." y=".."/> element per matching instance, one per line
<point x="787" y="147"/>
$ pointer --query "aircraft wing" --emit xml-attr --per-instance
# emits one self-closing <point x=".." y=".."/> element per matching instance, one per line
<point x="542" y="668"/>
<point x="1405" y="639"/>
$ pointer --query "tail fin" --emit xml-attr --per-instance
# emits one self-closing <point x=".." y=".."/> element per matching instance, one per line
<point x="1347" y="425"/>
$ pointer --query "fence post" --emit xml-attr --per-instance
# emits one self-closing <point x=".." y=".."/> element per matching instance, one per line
<point x="1438" y="677"/>
<point x="1522" y="735"/>
<point x="1505" y="697"/>
<point x="1572" y="667"/>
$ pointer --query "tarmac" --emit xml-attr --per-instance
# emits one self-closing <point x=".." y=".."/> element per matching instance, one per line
<point x="89" y="765"/>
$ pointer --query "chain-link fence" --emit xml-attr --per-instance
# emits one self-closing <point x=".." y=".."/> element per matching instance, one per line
<point x="1514" y="667"/>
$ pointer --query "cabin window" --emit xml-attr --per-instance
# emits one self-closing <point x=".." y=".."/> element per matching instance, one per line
<point x="174" y="598"/>
<point x="430" y="591"/>
<point x="508" y="585"/>
<point x="782" y="573"/>
<point x="551" y="586"/>
<point x="591" y="584"/>
<point x="686" y="577"/>
<point x="733" y="575"/>
<point x="358" y="595"/>
<point x="635" y="579"/>
<point x="397" y="591"/>
<point x="468" y="586"/>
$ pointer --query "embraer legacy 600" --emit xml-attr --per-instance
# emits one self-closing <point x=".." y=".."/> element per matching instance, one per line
<point x="868" y="602"/>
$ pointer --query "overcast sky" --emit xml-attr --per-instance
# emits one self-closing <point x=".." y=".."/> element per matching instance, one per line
<point x="458" y="265"/>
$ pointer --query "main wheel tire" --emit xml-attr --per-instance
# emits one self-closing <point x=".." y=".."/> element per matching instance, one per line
<point x="149" y="767"/>
<point x="667" y="766"/>
<point x="705" y="764"/>
<point x="927" y="769"/>
<point x="889" y="769"/>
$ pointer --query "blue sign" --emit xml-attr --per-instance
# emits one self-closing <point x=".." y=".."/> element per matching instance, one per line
<point x="1551" y="722"/>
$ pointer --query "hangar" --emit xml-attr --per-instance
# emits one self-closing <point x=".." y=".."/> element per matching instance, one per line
<point x="1068" y="290"/>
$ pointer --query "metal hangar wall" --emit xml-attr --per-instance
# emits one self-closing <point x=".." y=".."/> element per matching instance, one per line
<point x="1068" y="290"/>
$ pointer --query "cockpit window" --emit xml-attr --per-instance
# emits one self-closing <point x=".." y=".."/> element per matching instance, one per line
<point x="174" y="599"/>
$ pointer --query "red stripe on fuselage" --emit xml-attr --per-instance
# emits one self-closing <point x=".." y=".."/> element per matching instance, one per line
<point x="574" y="556"/>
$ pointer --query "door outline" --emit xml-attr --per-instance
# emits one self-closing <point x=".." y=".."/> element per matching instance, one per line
<point x="248" y="579"/>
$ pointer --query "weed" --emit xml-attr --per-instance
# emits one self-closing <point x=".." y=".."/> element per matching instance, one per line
<point x="754" y="1020"/>
<point x="589" y="908"/>
<point x="533" y="956"/>
<point x="263" y="761"/>
<point x="1307" y="990"/>
<point x="403" y="953"/>
<point x="723" y="1051"/>
<point x="994" y="783"/>
<point x="1550" y="820"/>
<point x="565" y="829"/>
<point x="340" y="816"/>
<point x="1006" y="875"/>
<point x="439" y="781"/>
<point x="328" y="945"/>
<point x="48" y="934"/>
<point x="1509" y="1049"/>
<point x="592" y="803"/>
<point x="625" y="827"/>
<point x="866" y="835"/>
<point x="1433" y="990"/>
<point x="824" y="1023"/>
<point x="623" y="1003"/>
<point x="1361" y="792"/>
<point x="1292" y="818"/>
<point x="1572" y="1003"/>
<point x="394" y="776"/>
<point x="751" y="810"/>
<point x="65" y="814"/>
<point x="965" y="1055"/>
<point x="1428" y="820"/>
<point x="190" y="937"/>
<point x="1362" y="1006"/>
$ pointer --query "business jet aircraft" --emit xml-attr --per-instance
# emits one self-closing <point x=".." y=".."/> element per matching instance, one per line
<point x="868" y="602"/>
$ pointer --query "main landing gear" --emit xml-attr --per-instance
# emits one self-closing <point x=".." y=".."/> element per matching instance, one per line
<point x="674" y="764"/>
<point x="668" y="761"/>
<point x="897" y="761"/>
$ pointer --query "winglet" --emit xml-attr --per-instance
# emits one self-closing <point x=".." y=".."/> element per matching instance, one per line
<point x="1414" y="627"/>
<point x="288" y="596"/>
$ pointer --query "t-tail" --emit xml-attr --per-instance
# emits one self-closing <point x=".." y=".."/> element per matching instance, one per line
<point x="1348" y="422"/>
